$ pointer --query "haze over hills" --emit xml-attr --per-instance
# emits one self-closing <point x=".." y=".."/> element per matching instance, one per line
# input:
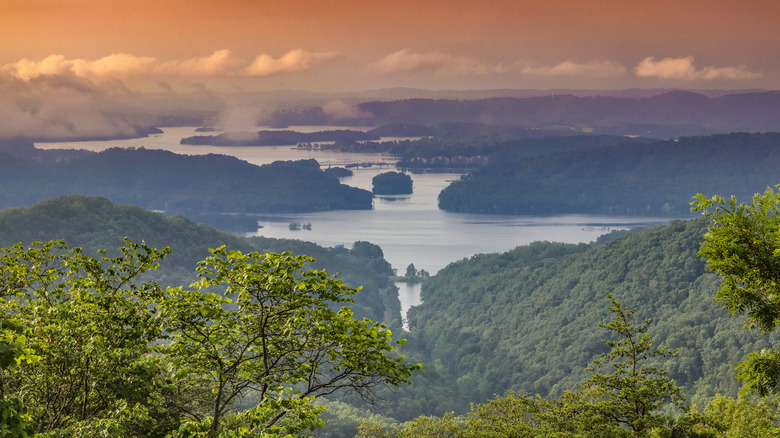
<point x="658" y="113"/>
<point x="578" y="109"/>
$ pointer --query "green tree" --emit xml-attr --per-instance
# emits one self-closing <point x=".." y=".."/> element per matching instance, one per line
<point x="392" y="183"/>
<point x="743" y="246"/>
<point x="411" y="271"/>
<point x="277" y="334"/>
<point x="14" y="418"/>
<point x="508" y="416"/>
<point x="89" y="326"/>
<point x="734" y="418"/>
<point x="629" y="398"/>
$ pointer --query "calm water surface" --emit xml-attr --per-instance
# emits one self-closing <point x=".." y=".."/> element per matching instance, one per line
<point x="410" y="229"/>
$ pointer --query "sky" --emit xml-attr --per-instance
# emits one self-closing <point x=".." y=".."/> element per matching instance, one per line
<point x="347" y="45"/>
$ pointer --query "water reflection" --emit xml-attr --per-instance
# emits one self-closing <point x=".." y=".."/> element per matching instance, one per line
<point x="409" y="295"/>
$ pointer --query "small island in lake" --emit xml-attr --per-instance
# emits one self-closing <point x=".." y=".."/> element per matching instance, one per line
<point x="392" y="183"/>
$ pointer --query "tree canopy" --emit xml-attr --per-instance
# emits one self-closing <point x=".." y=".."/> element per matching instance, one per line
<point x="743" y="246"/>
<point x="106" y="354"/>
<point x="392" y="183"/>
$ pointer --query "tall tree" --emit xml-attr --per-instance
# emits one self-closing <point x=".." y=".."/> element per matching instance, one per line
<point x="743" y="246"/>
<point x="630" y="396"/>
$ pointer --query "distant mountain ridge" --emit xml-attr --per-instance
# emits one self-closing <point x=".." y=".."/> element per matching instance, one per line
<point x="672" y="112"/>
<point x="632" y="112"/>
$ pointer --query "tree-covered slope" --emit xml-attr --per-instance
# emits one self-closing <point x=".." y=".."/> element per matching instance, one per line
<point x="527" y="320"/>
<point x="162" y="180"/>
<point x="631" y="178"/>
<point x="95" y="223"/>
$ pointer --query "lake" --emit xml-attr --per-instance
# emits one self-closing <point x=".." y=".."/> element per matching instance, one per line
<point x="409" y="229"/>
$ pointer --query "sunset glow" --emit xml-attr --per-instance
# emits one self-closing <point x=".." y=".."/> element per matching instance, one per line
<point x="351" y="45"/>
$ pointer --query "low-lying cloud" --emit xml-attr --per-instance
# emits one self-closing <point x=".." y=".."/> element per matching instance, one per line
<point x="592" y="69"/>
<point x="60" y="113"/>
<point x="294" y="60"/>
<point x="684" y="69"/>
<point x="408" y="61"/>
<point x="340" y="109"/>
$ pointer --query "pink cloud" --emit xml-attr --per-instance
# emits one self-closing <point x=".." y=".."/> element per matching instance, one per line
<point x="294" y="60"/>
<point x="219" y="63"/>
<point x="591" y="69"/>
<point x="684" y="69"/>
<point x="407" y="61"/>
<point x="122" y="65"/>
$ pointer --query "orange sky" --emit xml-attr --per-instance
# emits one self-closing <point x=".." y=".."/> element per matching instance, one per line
<point x="327" y="45"/>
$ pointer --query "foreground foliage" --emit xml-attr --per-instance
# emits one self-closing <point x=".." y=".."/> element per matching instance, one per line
<point x="94" y="223"/>
<point x="636" y="399"/>
<point x="626" y="402"/>
<point x="632" y="394"/>
<point x="99" y="353"/>
<point x="743" y="246"/>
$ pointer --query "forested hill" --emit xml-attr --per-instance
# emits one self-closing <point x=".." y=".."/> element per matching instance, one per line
<point x="94" y="223"/>
<point x="162" y="180"/>
<point x="633" y="178"/>
<point x="527" y="320"/>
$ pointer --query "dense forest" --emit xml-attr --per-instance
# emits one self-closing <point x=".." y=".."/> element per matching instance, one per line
<point x="523" y="321"/>
<point x="632" y="178"/>
<point x="94" y="223"/>
<point x="533" y="310"/>
<point x="162" y="180"/>
<point x="496" y="331"/>
<point x="497" y="326"/>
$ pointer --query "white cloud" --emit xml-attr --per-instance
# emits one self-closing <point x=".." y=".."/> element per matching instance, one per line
<point x="239" y="118"/>
<point x="683" y="68"/>
<point x="122" y="65"/>
<point x="116" y="65"/>
<point x="26" y="69"/>
<point x="591" y="69"/>
<point x="219" y="63"/>
<point x="407" y="61"/>
<point x="294" y="60"/>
